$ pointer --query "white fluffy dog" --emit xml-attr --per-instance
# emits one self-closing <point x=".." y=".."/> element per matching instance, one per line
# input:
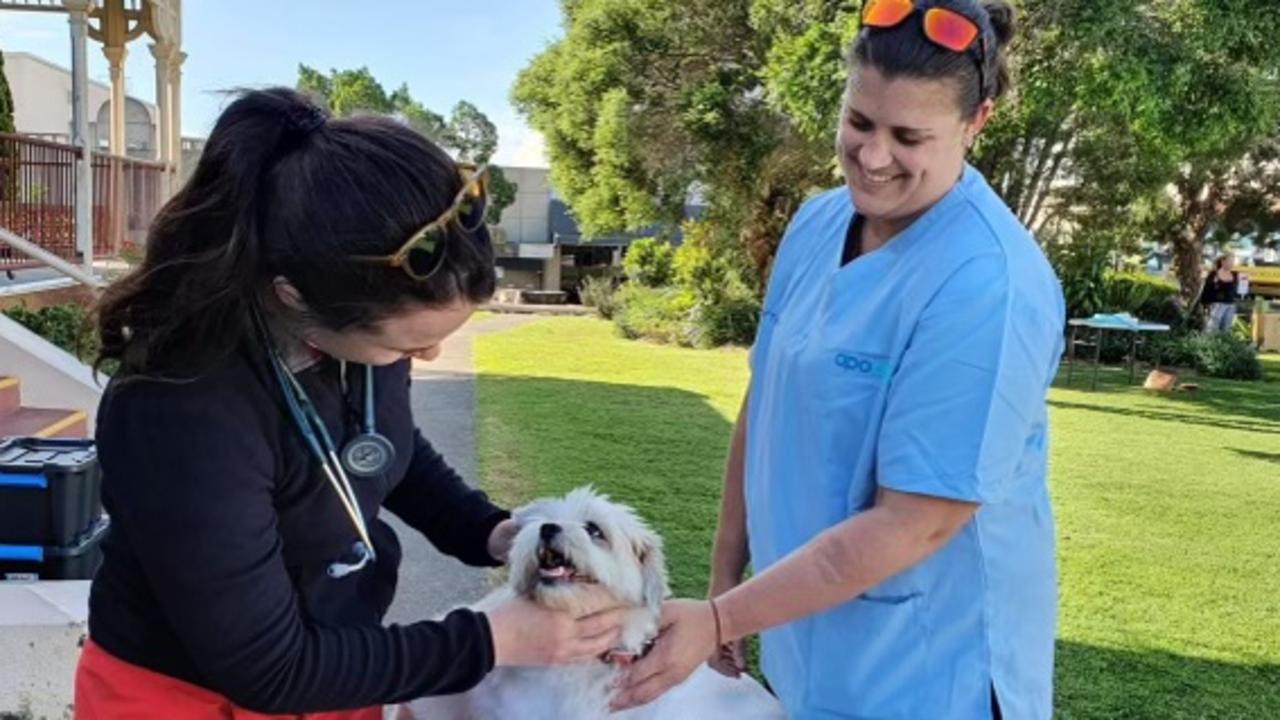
<point x="569" y="551"/>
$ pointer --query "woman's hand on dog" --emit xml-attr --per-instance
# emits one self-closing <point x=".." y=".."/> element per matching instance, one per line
<point x="686" y="638"/>
<point x="525" y="633"/>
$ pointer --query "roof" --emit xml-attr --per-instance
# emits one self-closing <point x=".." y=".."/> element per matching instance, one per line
<point x="565" y="230"/>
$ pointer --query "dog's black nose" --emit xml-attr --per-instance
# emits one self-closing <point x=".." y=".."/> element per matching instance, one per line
<point x="549" y="530"/>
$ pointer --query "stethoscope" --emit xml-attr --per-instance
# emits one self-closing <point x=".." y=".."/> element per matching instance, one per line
<point x="368" y="454"/>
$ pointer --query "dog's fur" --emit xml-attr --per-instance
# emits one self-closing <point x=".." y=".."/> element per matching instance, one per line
<point x="606" y="556"/>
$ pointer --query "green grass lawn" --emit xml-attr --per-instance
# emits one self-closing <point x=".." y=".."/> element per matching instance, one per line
<point x="1168" y="507"/>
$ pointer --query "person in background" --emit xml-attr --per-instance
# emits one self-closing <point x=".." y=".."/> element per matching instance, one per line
<point x="1221" y="290"/>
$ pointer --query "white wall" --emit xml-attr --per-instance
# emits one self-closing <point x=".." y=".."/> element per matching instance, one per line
<point x="50" y="377"/>
<point x="528" y="219"/>
<point x="42" y="95"/>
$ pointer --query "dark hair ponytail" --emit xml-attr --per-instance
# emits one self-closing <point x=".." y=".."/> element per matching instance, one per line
<point x="903" y="50"/>
<point x="282" y="191"/>
<point x="1004" y="25"/>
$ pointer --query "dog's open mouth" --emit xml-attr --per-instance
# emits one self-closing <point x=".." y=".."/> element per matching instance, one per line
<point x="553" y="567"/>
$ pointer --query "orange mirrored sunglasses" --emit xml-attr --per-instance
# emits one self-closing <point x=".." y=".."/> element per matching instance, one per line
<point x="942" y="26"/>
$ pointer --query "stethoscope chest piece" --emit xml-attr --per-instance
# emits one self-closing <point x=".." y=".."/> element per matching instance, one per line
<point x="368" y="455"/>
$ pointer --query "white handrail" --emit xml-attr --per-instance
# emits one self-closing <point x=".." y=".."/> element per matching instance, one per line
<point x="30" y="249"/>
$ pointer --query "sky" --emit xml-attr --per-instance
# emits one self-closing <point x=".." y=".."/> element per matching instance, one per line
<point x="445" y="51"/>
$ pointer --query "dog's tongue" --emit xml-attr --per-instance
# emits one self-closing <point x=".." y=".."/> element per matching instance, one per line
<point x="555" y="572"/>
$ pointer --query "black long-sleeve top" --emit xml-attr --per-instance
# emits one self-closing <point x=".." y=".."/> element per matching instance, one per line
<point x="1217" y="290"/>
<point x="223" y="527"/>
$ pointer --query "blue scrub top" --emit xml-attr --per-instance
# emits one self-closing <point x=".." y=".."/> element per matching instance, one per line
<point x="921" y="367"/>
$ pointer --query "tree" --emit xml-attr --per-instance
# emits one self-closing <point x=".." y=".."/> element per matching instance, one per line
<point x="314" y="84"/>
<point x="428" y="123"/>
<point x="469" y="134"/>
<point x="1169" y="99"/>
<point x="1115" y="105"/>
<point x="8" y="153"/>
<point x="646" y="102"/>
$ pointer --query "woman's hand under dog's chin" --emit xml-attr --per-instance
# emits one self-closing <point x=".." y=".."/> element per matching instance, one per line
<point x="686" y="639"/>
<point x="526" y="633"/>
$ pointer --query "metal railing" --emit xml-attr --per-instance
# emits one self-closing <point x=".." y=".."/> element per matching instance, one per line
<point x="126" y="197"/>
<point x="37" y="198"/>
<point x="38" y="193"/>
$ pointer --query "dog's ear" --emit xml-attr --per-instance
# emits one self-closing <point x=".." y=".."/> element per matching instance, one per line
<point x="653" y="569"/>
<point x="530" y="511"/>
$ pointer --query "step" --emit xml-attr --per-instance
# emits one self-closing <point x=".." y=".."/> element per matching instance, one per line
<point x="42" y="626"/>
<point x="10" y="395"/>
<point x="42" y="423"/>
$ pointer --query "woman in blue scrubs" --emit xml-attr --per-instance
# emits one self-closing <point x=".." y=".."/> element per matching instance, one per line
<point x="887" y="472"/>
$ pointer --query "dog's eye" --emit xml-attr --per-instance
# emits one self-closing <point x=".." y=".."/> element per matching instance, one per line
<point x="594" y="531"/>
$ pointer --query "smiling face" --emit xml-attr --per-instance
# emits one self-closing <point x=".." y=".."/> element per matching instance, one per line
<point x="583" y="550"/>
<point x="902" y="142"/>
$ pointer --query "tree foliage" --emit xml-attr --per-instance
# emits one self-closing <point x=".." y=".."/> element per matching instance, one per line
<point x="468" y="133"/>
<point x="647" y="104"/>
<point x="8" y="153"/>
<point x="1131" y="120"/>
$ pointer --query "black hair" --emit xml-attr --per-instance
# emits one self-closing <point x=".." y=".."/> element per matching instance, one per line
<point x="281" y="190"/>
<point x="904" y="51"/>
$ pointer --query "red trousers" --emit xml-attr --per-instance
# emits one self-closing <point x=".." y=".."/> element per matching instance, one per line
<point x="108" y="688"/>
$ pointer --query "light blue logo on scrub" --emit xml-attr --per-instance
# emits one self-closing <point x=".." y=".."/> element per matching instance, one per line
<point x="875" y="367"/>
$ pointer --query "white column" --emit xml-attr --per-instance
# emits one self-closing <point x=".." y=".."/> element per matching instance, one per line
<point x="164" y="123"/>
<point x="175" y="112"/>
<point x="115" y="57"/>
<point x="79" y="20"/>
<point x="551" y="269"/>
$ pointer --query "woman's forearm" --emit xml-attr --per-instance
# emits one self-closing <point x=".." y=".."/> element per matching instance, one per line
<point x="729" y="558"/>
<point x="842" y="563"/>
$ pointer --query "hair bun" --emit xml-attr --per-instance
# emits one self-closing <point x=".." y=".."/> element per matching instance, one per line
<point x="1003" y="23"/>
<point x="305" y="118"/>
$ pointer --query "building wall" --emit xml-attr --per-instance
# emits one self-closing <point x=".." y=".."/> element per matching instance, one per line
<point x="42" y="102"/>
<point x="522" y="279"/>
<point x="528" y="219"/>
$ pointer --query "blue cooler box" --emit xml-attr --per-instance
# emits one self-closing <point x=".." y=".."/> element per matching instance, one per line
<point x="77" y="561"/>
<point x="50" y="491"/>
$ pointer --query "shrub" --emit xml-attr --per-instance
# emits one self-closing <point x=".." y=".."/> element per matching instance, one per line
<point x="1082" y="270"/>
<point x="658" y="314"/>
<point x="699" y="270"/>
<point x="600" y="293"/>
<point x="727" y="311"/>
<point x="1146" y="297"/>
<point x="1222" y="355"/>
<point x="1169" y="349"/>
<point x="1218" y="355"/>
<point x="69" y="326"/>
<point x="728" y="319"/>
<point x="650" y="262"/>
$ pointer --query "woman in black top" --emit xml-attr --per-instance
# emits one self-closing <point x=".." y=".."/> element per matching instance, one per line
<point x="239" y="569"/>
<point x="1219" y="295"/>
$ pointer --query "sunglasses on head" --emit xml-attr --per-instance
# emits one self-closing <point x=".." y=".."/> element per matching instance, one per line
<point x="423" y="253"/>
<point x="942" y="26"/>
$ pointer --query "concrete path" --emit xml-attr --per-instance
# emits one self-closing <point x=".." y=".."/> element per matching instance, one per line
<point x="443" y="396"/>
